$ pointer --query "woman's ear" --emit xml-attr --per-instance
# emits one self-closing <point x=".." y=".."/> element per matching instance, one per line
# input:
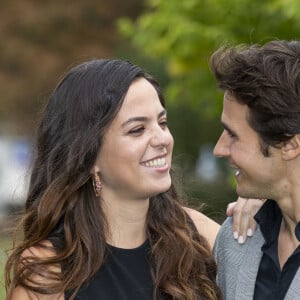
<point x="95" y="169"/>
<point x="291" y="148"/>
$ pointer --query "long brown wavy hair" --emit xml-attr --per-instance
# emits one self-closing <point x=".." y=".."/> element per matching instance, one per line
<point x="61" y="205"/>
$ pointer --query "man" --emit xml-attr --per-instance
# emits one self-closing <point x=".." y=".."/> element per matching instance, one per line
<point x="261" y="140"/>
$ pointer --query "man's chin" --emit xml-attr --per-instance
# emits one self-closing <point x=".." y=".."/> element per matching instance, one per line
<point x="248" y="195"/>
<point x="241" y="193"/>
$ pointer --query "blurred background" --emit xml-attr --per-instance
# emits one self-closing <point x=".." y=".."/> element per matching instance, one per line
<point x="173" y="40"/>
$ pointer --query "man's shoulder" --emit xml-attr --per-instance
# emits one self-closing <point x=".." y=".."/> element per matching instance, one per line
<point x="236" y="262"/>
<point x="226" y="245"/>
<point x="225" y="233"/>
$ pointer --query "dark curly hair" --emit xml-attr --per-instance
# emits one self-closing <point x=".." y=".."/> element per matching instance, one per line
<point x="266" y="79"/>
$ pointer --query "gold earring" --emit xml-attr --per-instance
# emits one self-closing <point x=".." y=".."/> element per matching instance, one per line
<point x="97" y="184"/>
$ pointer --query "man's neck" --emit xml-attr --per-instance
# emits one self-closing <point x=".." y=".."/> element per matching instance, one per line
<point x="287" y="240"/>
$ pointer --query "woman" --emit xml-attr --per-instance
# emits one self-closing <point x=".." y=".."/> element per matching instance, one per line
<point x="103" y="219"/>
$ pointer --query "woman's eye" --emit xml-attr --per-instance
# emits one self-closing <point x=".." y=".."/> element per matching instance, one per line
<point x="163" y="124"/>
<point x="137" y="130"/>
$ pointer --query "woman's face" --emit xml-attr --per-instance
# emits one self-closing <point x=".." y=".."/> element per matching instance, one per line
<point x="135" y="158"/>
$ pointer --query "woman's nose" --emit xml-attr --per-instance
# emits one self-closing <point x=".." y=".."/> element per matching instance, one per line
<point x="161" y="137"/>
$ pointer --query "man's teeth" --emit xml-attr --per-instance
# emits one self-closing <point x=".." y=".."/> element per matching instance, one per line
<point x="159" y="162"/>
<point x="237" y="172"/>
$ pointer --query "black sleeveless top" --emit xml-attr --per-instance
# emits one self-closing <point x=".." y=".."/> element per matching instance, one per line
<point x="125" y="275"/>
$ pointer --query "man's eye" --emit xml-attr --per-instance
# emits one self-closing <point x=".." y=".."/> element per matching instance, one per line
<point x="231" y="134"/>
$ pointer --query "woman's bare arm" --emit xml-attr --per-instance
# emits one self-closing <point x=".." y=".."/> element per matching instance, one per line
<point x="205" y="226"/>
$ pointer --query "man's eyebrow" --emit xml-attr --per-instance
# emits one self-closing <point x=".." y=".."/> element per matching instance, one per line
<point x="142" y="119"/>
<point x="228" y="129"/>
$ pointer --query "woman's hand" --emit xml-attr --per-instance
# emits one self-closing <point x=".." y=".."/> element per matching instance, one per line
<point x="243" y="211"/>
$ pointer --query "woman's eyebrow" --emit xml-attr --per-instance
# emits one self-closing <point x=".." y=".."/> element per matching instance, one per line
<point x="142" y="119"/>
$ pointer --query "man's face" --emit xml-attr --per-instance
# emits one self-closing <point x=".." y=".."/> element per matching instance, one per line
<point x="256" y="175"/>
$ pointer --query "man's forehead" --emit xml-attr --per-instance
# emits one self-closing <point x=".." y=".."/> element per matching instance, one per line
<point x="234" y="112"/>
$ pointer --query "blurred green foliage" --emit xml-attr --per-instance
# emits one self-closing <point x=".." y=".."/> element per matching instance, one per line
<point x="183" y="35"/>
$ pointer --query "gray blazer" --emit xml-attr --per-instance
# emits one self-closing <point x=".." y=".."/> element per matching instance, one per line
<point x="238" y="265"/>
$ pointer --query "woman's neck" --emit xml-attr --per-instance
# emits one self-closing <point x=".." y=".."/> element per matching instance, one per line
<point x="126" y="221"/>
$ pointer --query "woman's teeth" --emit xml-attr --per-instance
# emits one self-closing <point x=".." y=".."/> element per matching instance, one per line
<point x="159" y="162"/>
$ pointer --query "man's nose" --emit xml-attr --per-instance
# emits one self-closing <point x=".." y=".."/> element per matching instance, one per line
<point x="222" y="146"/>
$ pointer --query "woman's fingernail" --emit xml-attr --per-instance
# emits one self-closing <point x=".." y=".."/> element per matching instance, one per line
<point x="241" y="239"/>
<point x="235" y="235"/>
<point x="249" y="232"/>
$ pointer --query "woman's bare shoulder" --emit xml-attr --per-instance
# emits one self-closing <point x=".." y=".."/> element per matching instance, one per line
<point x="205" y="226"/>
<point x="44" y="250"/>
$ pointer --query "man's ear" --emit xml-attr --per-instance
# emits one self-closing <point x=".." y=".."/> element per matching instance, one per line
<point x="291" y="148"/>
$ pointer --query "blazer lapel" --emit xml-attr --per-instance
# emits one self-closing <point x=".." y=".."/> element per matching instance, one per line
<point x="249" y="267"/>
